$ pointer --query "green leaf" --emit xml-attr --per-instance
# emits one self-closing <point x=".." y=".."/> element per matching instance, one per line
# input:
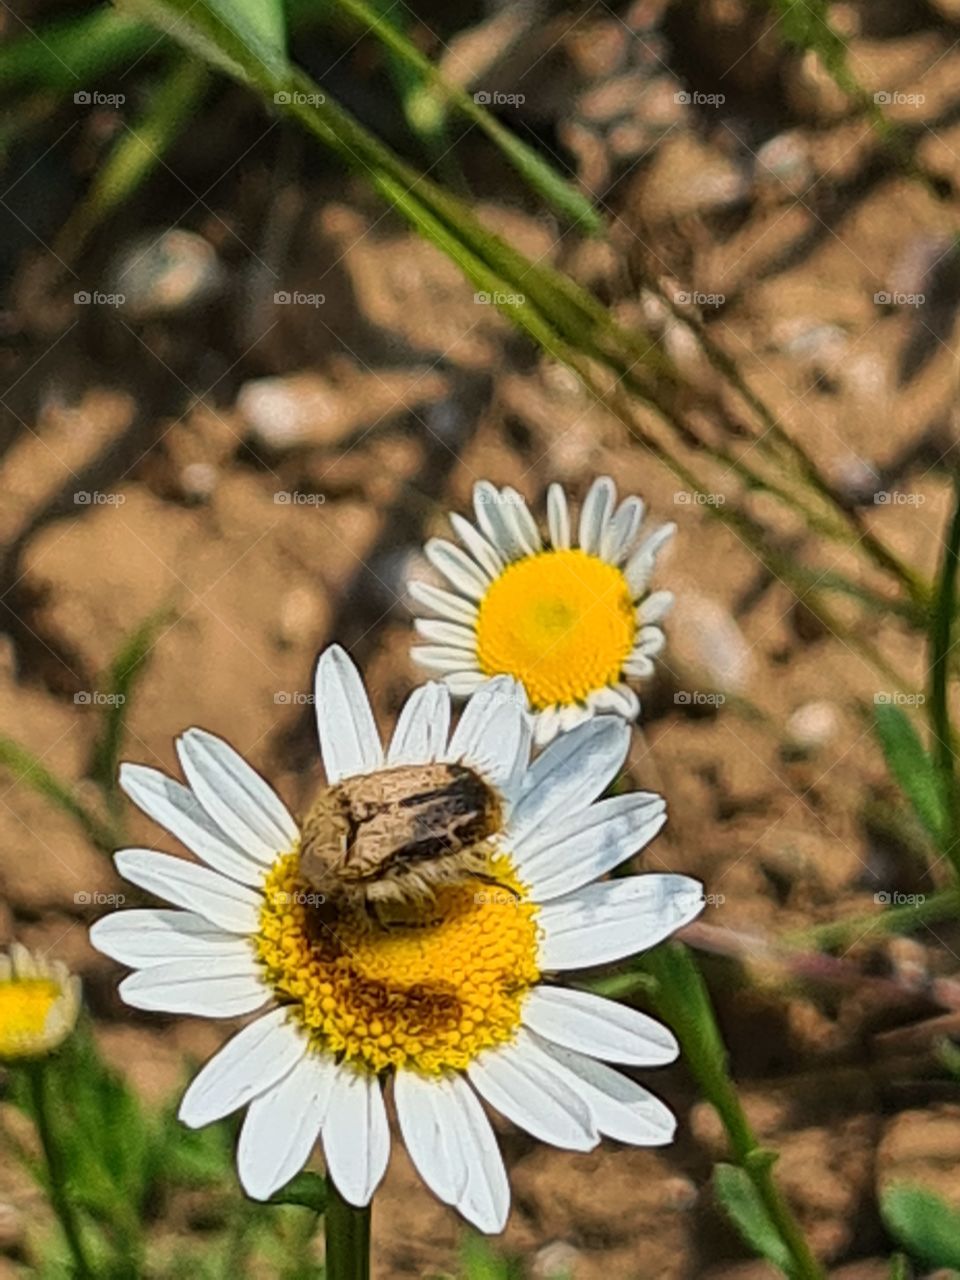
<point x="743" y="1206"/>
<point x="899" y="1267"/>
<point x="911" y="766"/>
<point x="119" y="683"/>
<point x="924" y="1224"/>
<point x="245" y="38"/>
<point x="138" y="150"/>
<point x="308" y="1190"/>
<point x="32" y="772"/>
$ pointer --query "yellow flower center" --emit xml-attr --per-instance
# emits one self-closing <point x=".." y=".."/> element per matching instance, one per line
<point x="428" y="991"/>
<point x="25" y="1008"/>
<point x="561" y="622"/>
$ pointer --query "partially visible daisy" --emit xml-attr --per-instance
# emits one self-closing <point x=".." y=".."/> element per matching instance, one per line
<point x="571" y="620"/>
<point x="450" y="1004"/>
<point x="39" y="1004"/>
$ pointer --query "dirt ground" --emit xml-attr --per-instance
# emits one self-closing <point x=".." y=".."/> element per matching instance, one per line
<point x="269" y="472"/>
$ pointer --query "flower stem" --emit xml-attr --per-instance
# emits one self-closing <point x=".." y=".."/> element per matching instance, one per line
<point x="43" y="1111"/>
<point x="941" y="630"/>
<point x="684" y="1002"/>
<point x="347" y="1231"/>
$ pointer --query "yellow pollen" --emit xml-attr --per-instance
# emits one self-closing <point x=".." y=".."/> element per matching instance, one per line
<point x="428" y="993"/>
<point x="561" y="622"/>
<point x="25" y="1008"/>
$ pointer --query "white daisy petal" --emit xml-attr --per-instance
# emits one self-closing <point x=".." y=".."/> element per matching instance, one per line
<point x="428" y="1114"/>
<point x="619" y="699"/>
<point x="249" y="1064"/>
<point x="639" y="569"/>
<point x="222" y="987"/>
<point x="356" y="1136"/>
<point x="422" y="727"/>
<point x="456" y="566"/>
<point x="655" y="608"/>
<point x="483" y="552"/>
<point x="570" y="773"/>
<point x="650" y="641"/>
<point x="521" y="1081"/>
<point x="453" y="634"/>
<point x="491" y="732"/>
<point x="558" y="517"/>
<point x="620" y="1108"/>
<point x="445" y="603"/>
<point x="621" y="532"/>
<point x="595" y="513"/>
<point x="566" y="852"/>
<point x="546" y="726"/>
<point x="607" y="921"/>
<point x="142" y="938"/>
<point x="570" y="717"/>
<point x="349" y="741"/>
<point x="488" y="506"/>
<point x="223" y="902"/>
<point x="282" y="1125"/>
<point x="464" y="683"/>
<point x="638" y="666"/>
<point x="176" y="808"/>
<point x="599" y="1028"/>
<point x="235" y="796"/>
<point x="441" y="659"/>
<point x="450" y="1141"/>
<point x="523" y="525"/>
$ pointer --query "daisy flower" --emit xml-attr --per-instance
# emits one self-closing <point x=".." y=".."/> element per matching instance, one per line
<point x="39" y="1004"/>
<point x="571" y="619"/>
<point x="451" y="1004"/>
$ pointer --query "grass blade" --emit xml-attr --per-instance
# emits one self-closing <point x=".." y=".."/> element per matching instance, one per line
<point x="30" y="770"/>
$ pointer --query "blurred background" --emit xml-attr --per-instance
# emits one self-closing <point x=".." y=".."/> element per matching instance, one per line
<point x="239" y="391"/>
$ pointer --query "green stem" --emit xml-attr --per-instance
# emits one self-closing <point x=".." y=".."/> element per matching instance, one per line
<point x="684" y="1002"/>
<point x="840" y="933"/>
<point x="43" y="1112"/>
<point x="347" y="1231"/>
<point x="941" y="630"/>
